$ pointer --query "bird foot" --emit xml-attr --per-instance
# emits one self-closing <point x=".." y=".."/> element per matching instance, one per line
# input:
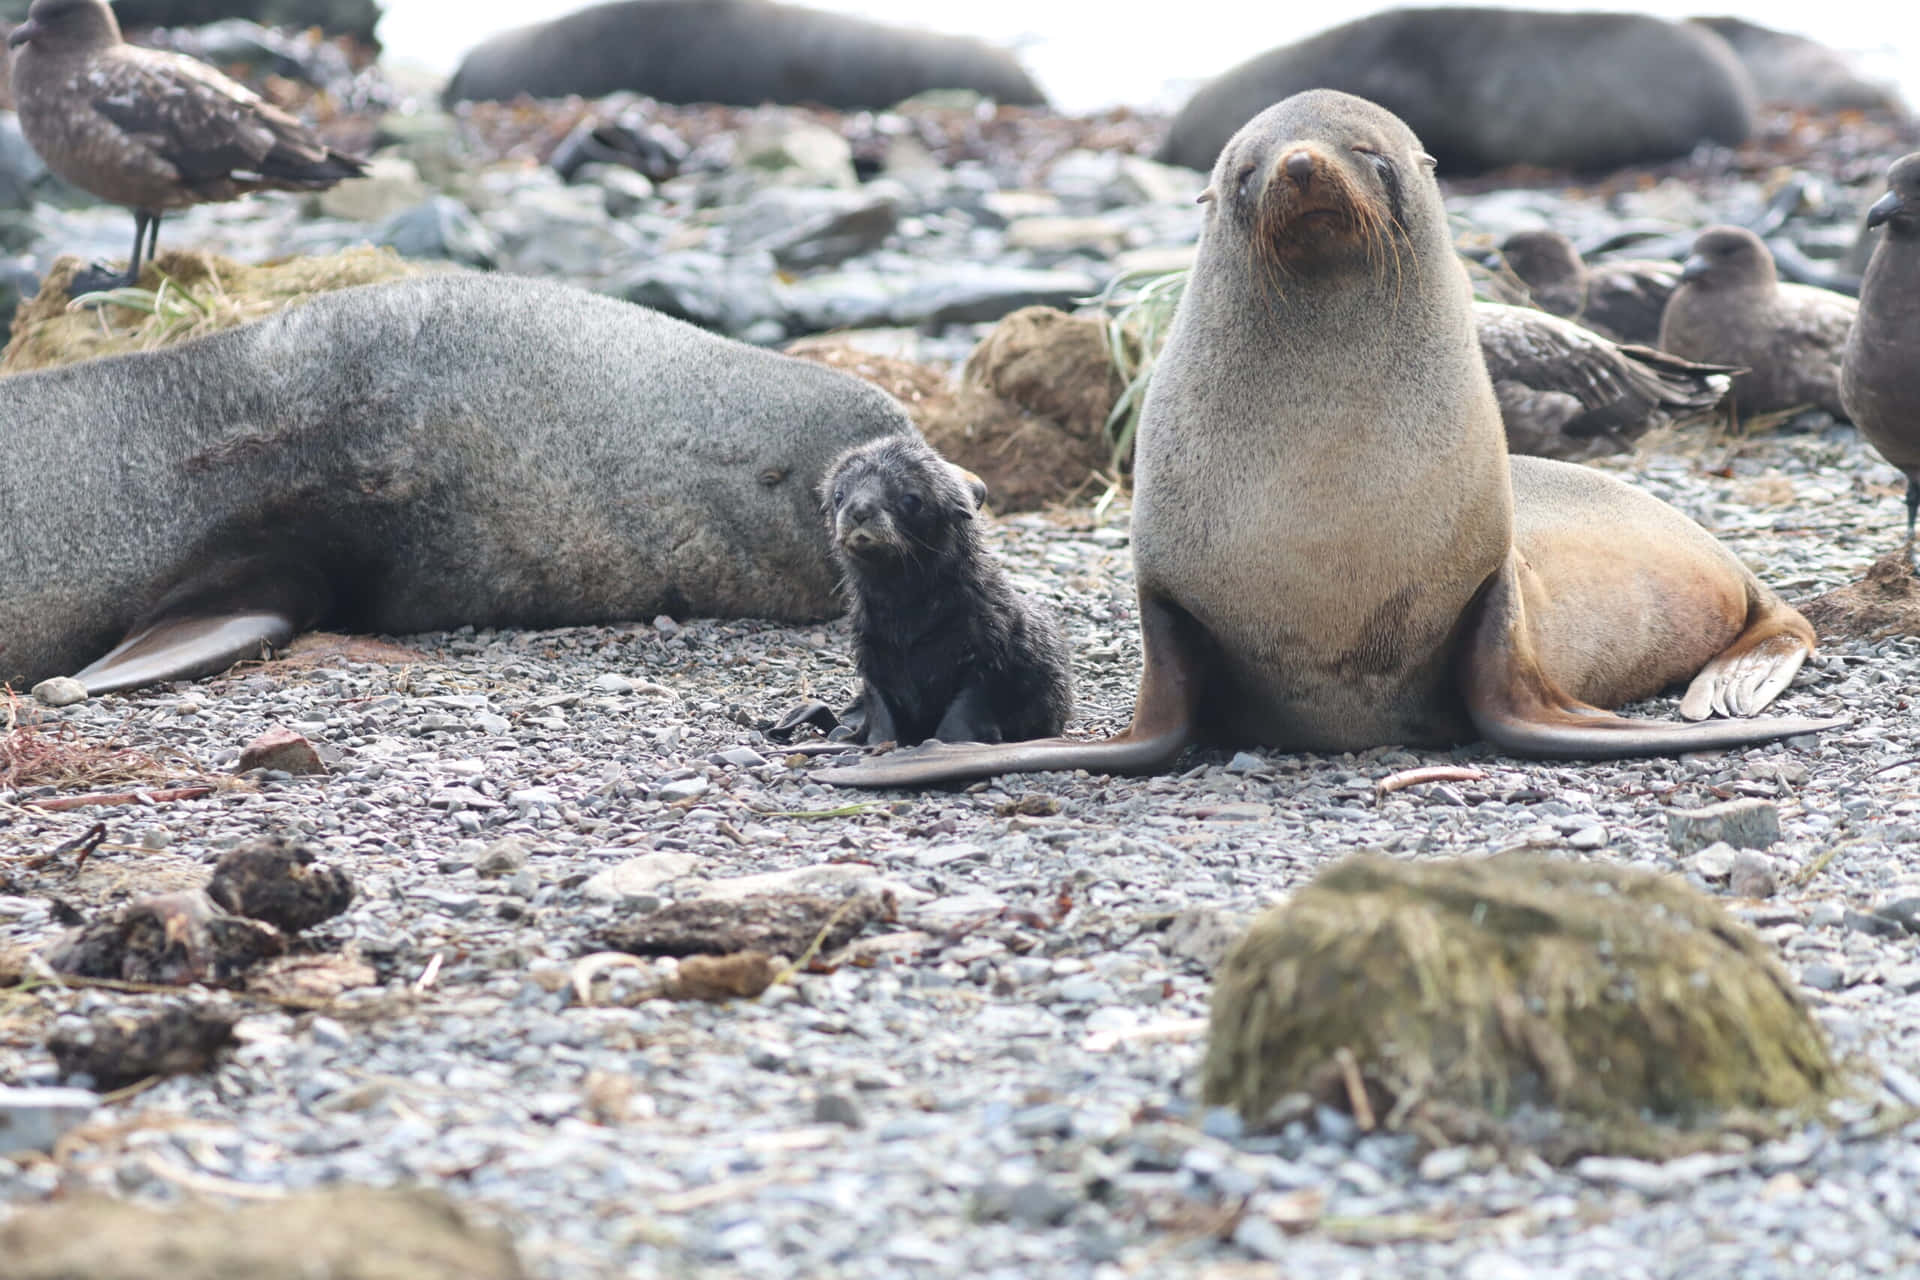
<point x="99" y="278"/>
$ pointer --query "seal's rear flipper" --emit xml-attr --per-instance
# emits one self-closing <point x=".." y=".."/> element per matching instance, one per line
<point x="1516" y="706"/>
<point x="1164" y="717"/>
<point x="222" y="612"/>
<point x="186" y="648"/>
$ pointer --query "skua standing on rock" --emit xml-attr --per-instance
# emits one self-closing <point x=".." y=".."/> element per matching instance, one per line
<point x="438" y="452"/>
<point x="1622" y="300"/>
<point x="151" y="130"/>
<point x="1333" y="550"/>
<point x="739" y="52"/>
<point x="1880" y="373"/>
<point x="1567" y="392"/>
<point x="1489" y="88"/>
<point x="946" y="647"/>
<point x="1732" y="309"/>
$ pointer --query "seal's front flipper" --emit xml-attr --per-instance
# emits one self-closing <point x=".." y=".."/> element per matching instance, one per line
<point x="186" y="649"/>
<point x="1517" y="707"/>
<point x="1164" y="716"/>
<point x="220" y="613"/>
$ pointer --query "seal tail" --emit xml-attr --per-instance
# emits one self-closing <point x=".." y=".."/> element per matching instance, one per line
<point x="1516" y="706"/>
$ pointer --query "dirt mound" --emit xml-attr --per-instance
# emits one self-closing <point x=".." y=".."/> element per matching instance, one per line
<point x="1029" y="414"/>
<point x="1884" y="603"/>
<point x="183" y="294"/>
<point x="1613" y="1010"/>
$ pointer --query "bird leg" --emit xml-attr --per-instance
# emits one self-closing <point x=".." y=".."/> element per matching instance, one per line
<point x="1913" y="510"/>
<point x="99" y="277"/>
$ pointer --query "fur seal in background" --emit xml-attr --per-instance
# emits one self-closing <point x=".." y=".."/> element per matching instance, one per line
<point x="1794" y="71"/>
<point x="1567" y="392"/>
<point x="1332" y="549"/>
<point x="1732" y="309"/>
<point x="150" y="130"/>
<point x="442" y="451"/>
<point x="1622" y="299"/>
<point x="737" y="52"/>
<point x="946" y="647"/>
<point x="1488" y="88"/>
<point x="1880" y="371"/>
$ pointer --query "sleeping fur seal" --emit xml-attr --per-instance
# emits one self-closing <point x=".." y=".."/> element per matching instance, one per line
<point x="1331" y="547"/>
<point x="1488" y="88"/>
<point x="738" y="52"/>
<point x="401" y="457"/>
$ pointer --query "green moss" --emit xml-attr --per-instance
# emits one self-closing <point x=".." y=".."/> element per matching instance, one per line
<point x="1625" y="1000"/>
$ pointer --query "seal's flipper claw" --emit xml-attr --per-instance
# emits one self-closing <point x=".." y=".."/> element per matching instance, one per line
<point x="176" y="648"/>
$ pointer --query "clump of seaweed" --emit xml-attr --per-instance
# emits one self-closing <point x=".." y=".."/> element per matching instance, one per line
<point x="37" y="755"/>
<point x="1450" y="997"/>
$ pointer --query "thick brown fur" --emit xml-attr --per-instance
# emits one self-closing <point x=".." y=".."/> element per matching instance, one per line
<point x="1331" y="547"/>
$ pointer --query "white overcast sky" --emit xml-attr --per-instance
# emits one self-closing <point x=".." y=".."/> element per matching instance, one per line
<point x="1092" y="55"/>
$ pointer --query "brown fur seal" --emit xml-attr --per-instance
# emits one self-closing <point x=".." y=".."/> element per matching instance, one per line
<point x="1880" y="375"/>
<point x="738" y="52"/>
<point x="448" y="450"/>
<point x="151" y="130"/>
<point x="1331" y="546"/>
<point x="1621" y="300"/>
<point x="1793" y="71"/>
<point x="1731" y="308"/>
<point x="1488" y="88"/>
<point x="946" y="648"/>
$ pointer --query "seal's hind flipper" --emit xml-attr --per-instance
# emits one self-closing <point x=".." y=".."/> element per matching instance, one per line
<point x="220" y="613"/>
<point x="1517" y="707"/>
<point x="175" y="648"/>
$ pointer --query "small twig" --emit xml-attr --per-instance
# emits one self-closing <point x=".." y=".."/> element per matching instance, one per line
<point x="1428" y="773"/>
<point x="813" y="948"/>
<point x="427" y="975"/>
<point x="1802" y="877"/>
<point x="844" y="811"/>
<point x="120" y="797"/>
<point x="1356" y="1089"/>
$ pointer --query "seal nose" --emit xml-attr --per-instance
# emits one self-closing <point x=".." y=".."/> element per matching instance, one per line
<point x="861" y="510"/>
<point x="1299" y="167"/>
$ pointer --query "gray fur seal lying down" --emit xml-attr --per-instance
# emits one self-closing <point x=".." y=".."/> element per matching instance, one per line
<point x="738" y="52"/>
<point x="401" y="457"/>
<point x="1488" y="88"/>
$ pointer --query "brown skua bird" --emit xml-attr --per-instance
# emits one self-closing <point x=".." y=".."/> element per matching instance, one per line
<point x="1880" y="375"/>
<point x="1622" y="300"/>
<point x="150" y="130"/>
<point x="1732" y="309"/>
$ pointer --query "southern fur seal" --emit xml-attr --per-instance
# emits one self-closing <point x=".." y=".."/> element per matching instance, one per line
<point x="1794" y="71"/>
<point x="738" y="52"/>
<point x="1622" y="299"/>
<point x="400" y="457"/>
<point x="946" y="647"/>
<point x="1731" y="308"/>
<point x="1880" y="374"/>
<point x="1567" y="392"/>
<point x="150" y="130"/>
<point x="1488" y="88"/>
<point x="1331" y="546"/>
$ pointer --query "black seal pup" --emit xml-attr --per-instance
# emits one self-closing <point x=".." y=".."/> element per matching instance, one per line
<point x="946" y="647"/>
<point x="151" y="130"/>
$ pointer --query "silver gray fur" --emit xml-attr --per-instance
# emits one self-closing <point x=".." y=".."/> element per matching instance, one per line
<point x="446" y="450"/>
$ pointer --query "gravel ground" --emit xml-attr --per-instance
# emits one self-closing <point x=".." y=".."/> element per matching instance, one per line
<point x="1005" y="1085"/>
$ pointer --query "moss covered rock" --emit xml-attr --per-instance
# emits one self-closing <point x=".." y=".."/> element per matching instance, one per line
<point x="183" y="294"/>
<point x="1464" y="991"/>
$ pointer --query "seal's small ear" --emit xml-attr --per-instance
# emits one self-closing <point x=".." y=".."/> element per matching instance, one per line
<point x="1427" y="162"/>
<point x="1204" y="197"/>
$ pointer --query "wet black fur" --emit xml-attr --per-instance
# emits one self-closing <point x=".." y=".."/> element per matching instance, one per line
<point x="945" y="647"/>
